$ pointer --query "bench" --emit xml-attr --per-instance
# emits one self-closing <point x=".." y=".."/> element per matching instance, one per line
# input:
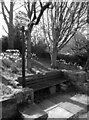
<point x="40" y="81"/>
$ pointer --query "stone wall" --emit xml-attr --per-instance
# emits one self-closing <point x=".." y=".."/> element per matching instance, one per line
<point x="9" y="108"/>
<point x="9" y="104"/>
<point x="78" y="78"/>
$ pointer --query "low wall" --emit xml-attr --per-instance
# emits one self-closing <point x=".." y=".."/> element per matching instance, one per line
<point x="9" y="104"/>
<point x="78" y="78"/>
<point x="8" y="108"/>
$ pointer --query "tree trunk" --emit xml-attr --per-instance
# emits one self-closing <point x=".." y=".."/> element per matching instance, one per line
<point x="11" y="28"/>
<point x="9" y="22"/>
<point x="54" y="57"/>
<point x="29" y="51"/>
<point x="11" y="37"/>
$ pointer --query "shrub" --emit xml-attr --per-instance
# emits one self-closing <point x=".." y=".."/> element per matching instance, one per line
<point x="78" y="59"/>
<point x="4" y="41"/>
<point x="7" y="62"/>
<point x="39" y="49"/>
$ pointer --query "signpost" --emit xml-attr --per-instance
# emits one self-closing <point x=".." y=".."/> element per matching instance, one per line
<point x="23" y="58"/>
<point x="24" y="23"/>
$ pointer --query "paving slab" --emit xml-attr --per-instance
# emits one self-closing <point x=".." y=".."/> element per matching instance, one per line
<point x="33" y="112"/>
<point x="71" y="107"/>
<point x="84" y="99"/>
<point x="59" y="112"/>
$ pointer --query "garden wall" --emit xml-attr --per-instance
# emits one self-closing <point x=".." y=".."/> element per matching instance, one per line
<point x="80" y="79"/>
<point x="9" y="103"/>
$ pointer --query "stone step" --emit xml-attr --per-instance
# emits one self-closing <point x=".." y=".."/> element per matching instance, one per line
<point x="33" y="112"/>
<point x="58" y="112"/>
<point x="56" y="107"/>
<point x="84" y="99"/>
<point x="58" y="104"/>
<point x="75" y="102"/>
<point x="54" y="110"/>
<point x="75" y="109"/>
<point x="81" y="99"/>
<point x="68" y="98"/>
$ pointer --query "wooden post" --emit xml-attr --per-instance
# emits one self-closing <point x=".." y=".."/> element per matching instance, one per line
<point x="23" y="58"/>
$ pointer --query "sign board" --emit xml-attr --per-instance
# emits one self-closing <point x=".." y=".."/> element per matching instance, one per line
<point x="22" y="18"/>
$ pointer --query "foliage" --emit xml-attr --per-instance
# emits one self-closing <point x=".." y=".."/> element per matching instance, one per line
<point x="39" y="49"/>
<point x="74" y="59"/>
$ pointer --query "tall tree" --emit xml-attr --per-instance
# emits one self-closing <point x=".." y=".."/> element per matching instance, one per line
<point x="65" y="20"/>
<point x="35" y="11"/>
<point x="8" y="17"/>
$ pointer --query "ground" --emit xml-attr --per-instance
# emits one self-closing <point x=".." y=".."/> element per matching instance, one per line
<point x="9" y="81"/>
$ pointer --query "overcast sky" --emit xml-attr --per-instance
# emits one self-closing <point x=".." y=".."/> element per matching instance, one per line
<point x="17" y="5"/>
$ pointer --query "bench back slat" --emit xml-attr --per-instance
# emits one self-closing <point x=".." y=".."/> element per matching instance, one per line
<point x="40" y="81"/>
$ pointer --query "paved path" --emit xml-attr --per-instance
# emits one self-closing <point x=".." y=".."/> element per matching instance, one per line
<point x="59" y="106"/>
<point x="66" y="106"/>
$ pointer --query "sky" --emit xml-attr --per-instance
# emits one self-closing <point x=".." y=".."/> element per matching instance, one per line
<point x="18" y="6"/>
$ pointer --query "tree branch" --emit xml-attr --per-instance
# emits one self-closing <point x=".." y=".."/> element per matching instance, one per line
<point x="34" y="10"/>
<point x="48" y="27"/>
<point x="4" y="29"/>
<point x="40" y="4"/>
<point x="64" y="43"/>
<point x="30" y="12"/>
<point x="42" y="11"/>
<point x="3" y="12"/>
<point x="6" y="8"/>
<point x="25" y="5"/>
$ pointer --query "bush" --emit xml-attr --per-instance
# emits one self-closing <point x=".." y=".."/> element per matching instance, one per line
<point x="78" y="59"/>
<point x="7" y="62"/>
<point x="4" y="41"/>
<point x="40" y="50"/>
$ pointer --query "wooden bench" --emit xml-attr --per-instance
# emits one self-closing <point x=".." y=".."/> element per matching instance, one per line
<point x="40" y="81"/>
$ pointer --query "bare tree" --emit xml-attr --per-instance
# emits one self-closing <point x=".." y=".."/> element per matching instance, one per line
<point x="34" y="11"/>
<point x="66" y="19"/>
<point x="8" y="17"/>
